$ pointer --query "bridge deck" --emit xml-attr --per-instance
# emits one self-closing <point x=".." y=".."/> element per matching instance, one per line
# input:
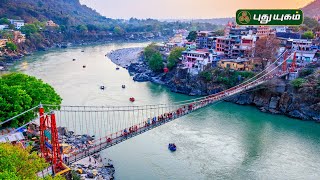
<point x="104" y="144"/>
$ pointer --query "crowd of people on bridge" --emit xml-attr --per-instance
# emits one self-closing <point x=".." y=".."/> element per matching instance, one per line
<point x="183" y="110"/>
<point x="187" y="108"/>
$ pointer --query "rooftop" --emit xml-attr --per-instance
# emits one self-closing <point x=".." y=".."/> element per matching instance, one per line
<point x="238" y="60"/>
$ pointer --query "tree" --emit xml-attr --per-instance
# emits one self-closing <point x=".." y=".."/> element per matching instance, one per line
<point x="29" y="29"/>
<point x="149" y="51"/>
<point x="192" y="36"/>
<point x="219" y="32"/>
<point x="82" y="28"/>
<point x="20" y="92"/>
<point x="156" y="62"/>
<point x="266" y="48"/>
<point x="304" y="28"/>
<point x="174" y="56"/>
<point x="6" y="35"/>
<point x="294" y="28"/>
<point x="19" y="163"/>
<point x="12" y="46"/>
<point x="310" y="22"/>
<point x="207" y="75"/>
<point x="118" y="31"/>
<point x="4" y="21"/>
<point x="308" y="35"/>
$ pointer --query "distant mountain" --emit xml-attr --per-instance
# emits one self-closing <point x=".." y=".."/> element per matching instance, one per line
<point x="217" y="21"/>
<point x="312" y="9"/>
<point x="67" y="12"/>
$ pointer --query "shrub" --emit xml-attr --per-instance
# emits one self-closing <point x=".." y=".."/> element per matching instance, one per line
<point x="207" y="75"/>
<point x="306" y="72"/>
<point x="297" y="83"/>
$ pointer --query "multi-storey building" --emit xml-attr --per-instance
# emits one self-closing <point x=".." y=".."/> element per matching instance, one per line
<point x="202" y="39"/>
<point x="263" y="31"/>
<point x="225" y="44"/>
<point x="196" y="60"/>
<point x="299" y="44"/>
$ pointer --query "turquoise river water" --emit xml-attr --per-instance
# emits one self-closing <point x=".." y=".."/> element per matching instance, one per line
<point x="223" y="141"/>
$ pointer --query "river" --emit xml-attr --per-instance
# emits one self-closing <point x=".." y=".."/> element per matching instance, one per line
<point x="223" y="141"/>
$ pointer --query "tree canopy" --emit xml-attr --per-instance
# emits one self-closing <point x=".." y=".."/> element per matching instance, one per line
<point x="219" y="32"/>
<point x="308" y="35"/>
<point x="29" y="29"/>
<point x="156" y="62"/>
<point x="310" y="22"/>
<point x="4" y="21"/>
<point x="266" y="47"/>
<point x="82" y="28"/>
<point x="19" y="163"/>
<point x="20" y="92"/>
<point x="192" y="36"/>
<point x="174" y="56"/>
<point x="149" y="51"/>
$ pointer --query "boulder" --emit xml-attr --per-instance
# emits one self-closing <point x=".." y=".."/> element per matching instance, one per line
<point x="274" y="102"/>
<point x="141" y="77"/>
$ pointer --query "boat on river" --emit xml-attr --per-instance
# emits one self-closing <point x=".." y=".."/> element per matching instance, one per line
<point x="172" y="147"/>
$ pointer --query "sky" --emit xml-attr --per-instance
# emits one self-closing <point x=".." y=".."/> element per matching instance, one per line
<point x="184" y="9"/>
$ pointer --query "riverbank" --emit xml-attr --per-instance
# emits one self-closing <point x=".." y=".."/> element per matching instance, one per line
<point x="275" y="97"/>
<point x="125" y="57"/>
<point x="91" y="167"/>
<point x="9" y="59"/>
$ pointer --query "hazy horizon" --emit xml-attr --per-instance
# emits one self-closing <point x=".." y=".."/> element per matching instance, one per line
<point x="184" y="9"/>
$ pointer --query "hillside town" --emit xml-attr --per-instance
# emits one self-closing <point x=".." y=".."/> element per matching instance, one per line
<point x="235" y="48"/>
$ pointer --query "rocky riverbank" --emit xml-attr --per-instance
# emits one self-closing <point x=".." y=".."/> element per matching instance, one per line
<point x="276" y="97"/>
<point x="92" y="167"/>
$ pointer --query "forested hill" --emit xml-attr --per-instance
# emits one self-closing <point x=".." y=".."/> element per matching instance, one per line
<point x="312" y="9"/>
<point x="66" y="12"/>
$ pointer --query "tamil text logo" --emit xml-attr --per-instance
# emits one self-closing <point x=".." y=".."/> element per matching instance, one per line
<point x="289" y="17"/>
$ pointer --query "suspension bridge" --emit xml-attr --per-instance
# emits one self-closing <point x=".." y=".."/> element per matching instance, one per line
<point x="112" y="125"/>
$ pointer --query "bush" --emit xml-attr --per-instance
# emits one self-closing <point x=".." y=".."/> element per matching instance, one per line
<point x="297" y="83"/>
<point x="308" y="35"/>
<point x="207" y="75"/>
<point x="306" y="72"/>
<point x="12" y="46"/>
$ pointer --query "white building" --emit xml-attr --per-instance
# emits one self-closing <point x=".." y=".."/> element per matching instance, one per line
<point x="281" y="29"/>
<point x="305" y="57"/>
<point x="196" y="61"/>
<point x="300" y="44"/>
<point x="17" y="23"/>
<point x="3" y="26"/>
